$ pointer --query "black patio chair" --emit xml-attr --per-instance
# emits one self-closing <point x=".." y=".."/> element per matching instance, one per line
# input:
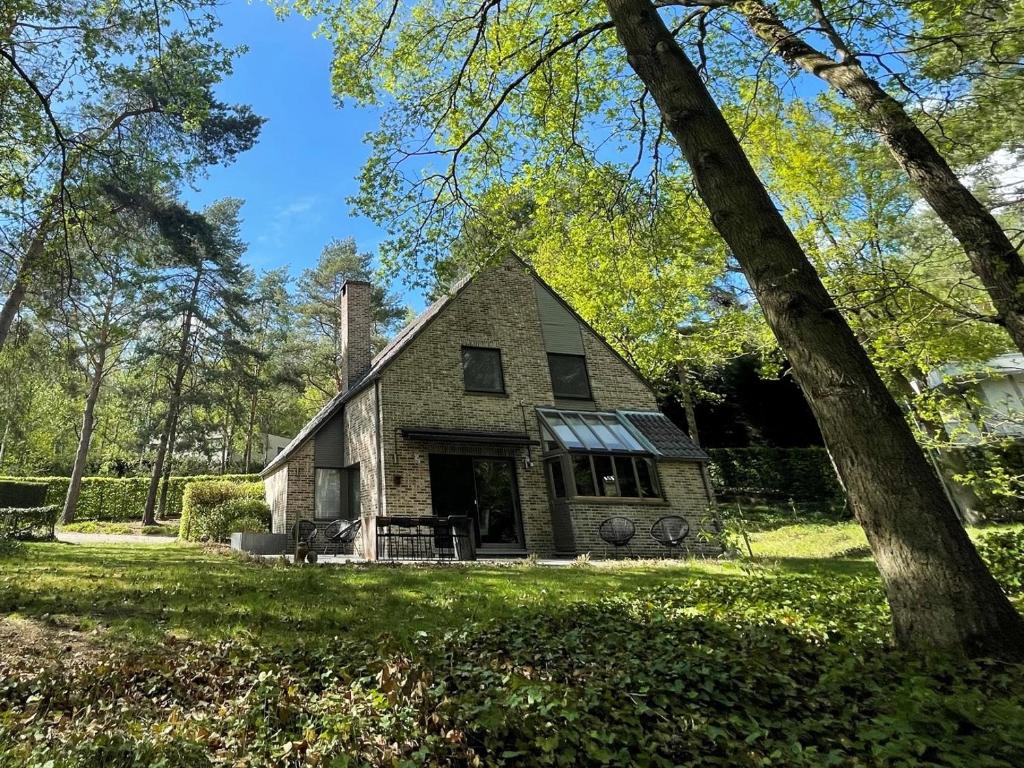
<point x="304" y="534"/>
<point x="670" y="532"/>
<point x="618" y="531"/>
<point x="341" y="533"/>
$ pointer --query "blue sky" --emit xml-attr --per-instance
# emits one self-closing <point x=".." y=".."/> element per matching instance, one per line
<point x="295" y="181"/>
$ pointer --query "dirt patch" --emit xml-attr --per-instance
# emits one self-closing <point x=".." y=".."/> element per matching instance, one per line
<point x="35" y="644"/>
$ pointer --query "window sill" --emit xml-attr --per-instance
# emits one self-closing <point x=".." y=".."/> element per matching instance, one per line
<point x="658" y="502"/>
<point x="484" y="393"/>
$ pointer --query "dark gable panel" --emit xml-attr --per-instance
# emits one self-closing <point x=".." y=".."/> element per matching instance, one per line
<point x="329" y="443"/>
<point x="561" y="330"/>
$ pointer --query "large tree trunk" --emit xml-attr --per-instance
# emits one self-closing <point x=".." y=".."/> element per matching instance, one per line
<point x="942" y="596"/>
<point x="84" y="440"/>
<point x="165" y="477"/>
<point x="993" y="257"/>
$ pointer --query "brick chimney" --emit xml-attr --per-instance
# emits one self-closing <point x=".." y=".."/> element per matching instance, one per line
<point x="356" y="329"/>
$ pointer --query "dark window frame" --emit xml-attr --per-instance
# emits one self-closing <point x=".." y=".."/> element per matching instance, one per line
<point x="567" y="462"/>
<point x="586" y="374"/>
<point x="339" y="515"/>
<point x="501" y="370"/>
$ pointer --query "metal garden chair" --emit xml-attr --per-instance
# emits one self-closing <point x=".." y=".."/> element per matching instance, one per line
<point x="341" y="533"/>
<point x="670" y="532"/>
<point x="618" y="531"/>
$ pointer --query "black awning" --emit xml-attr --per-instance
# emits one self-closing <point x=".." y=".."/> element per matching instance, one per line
<point x="487" y="437"/>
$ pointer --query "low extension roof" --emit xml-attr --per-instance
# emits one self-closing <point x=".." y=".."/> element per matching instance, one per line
<point x="669" y="440"/>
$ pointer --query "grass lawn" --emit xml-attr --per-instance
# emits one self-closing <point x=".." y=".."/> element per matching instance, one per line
<point x="183" y="656"/>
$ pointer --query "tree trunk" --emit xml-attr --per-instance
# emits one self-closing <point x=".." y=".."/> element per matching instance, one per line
<point x="173" y="403"/>
<point x="993" y="257"/>
<point x="165" y="477"/>
<point x="84" y="441"/>
<point x="250" y="428"/>
<point x="21" y="280"/>
<point x="687" y="397"/>
<point x="942" y="596"/>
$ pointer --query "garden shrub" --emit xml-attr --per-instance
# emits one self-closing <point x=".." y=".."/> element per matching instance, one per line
<point x="211" y="509"/>
<point x="800" y="474"/>
<point x="22" y="493"/>
<point x="119" y="499"/>
<point x="28" y="522"/>
<point x="1003" y="552"/>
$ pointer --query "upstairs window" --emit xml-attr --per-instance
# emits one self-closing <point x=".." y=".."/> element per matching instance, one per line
<point x="481" y="370"/>
<point x="569" y="379"/>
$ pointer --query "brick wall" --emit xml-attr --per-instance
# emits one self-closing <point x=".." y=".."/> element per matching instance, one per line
<point x="685" y="495"/>
<point x="299" y="496"/>
<point x="424" y="388"/>
<point x="356" y="330"/>
<point x="361" y="449"/>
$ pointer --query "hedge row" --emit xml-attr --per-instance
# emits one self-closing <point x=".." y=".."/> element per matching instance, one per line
<point x="119" y="499"/>
<point x="800" y="474"/>
<point x="214" y="509"/>
<point x="28" y="522"/>
<point x="18" y="493"/>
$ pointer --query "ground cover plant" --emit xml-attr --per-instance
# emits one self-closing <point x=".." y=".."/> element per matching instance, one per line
<point x="179" y="655"/>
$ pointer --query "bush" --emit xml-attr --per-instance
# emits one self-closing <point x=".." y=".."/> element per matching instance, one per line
<point x="800" y="474"/>
<point x="20" y="493"/>
<point x="211" y="508"/>
<point x="118" y="499"/>
<point x="1003" y="552"/>
<point x="28" y="522"/>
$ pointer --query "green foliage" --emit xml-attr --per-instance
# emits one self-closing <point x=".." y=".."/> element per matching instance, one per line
<point x="119" y="499"/>
<point x="755" y="670"/>
<point x="995" y="472"/>
<point x="1003" y="553"/>
<point x="28" y="522"/>
<point x="211" y="509"/>
<point x="15" y="493"/>
<point x="801" y="474"/>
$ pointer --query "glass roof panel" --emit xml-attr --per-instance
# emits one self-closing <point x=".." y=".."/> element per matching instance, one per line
<point x="589" y="431"/>
<point x="606" y="436"/>
<point x="586" y="434"/>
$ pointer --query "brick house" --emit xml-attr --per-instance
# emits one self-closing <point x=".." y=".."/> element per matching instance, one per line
<point x="499" y="402"/>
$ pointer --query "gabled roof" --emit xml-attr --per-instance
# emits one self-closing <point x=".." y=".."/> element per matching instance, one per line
<point x="402" y="339"/>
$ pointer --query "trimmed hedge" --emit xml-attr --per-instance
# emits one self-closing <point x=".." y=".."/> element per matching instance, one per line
<point x="19" y="493"/>
<point x="213" y="509"/>
<point x="800" y="474"/>
<point x="118" y="499"/>
<point x="28" y="522"/>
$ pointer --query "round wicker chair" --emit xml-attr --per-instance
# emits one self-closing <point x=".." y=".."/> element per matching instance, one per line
<point x="341" y="533"/>
<point x="670" y="532"/>
<point x="618" y="531"/>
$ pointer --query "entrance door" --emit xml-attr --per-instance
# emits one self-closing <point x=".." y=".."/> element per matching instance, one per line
<point x="482" y="488"/>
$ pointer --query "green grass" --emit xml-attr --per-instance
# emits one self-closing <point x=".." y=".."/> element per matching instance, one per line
<point x="131" y="529"/>
<point x="122" y="656"/>
<point x="141" y="593"/>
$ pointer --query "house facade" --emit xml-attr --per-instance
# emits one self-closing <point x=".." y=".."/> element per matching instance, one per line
<point x="499" y="403"/>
